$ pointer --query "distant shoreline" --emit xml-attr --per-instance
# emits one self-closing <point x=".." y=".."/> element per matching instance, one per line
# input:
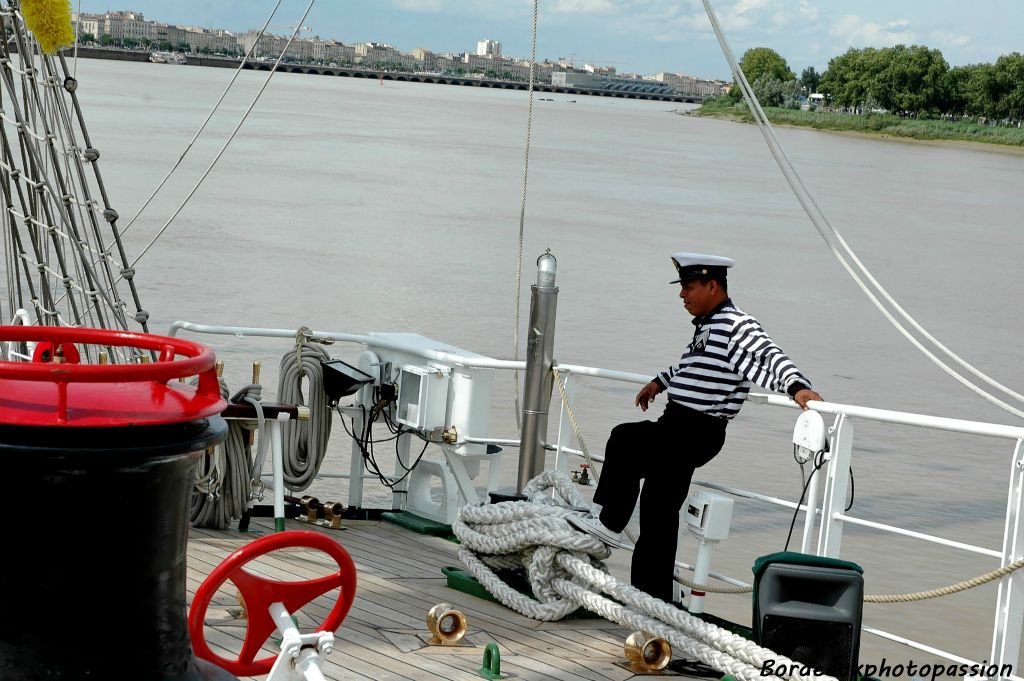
<point x="374" y="74"/>
<point x="889" y="127"/>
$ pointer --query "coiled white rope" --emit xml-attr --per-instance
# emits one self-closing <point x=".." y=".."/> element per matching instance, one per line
<point x="565" y="571"/>
<point x="832" y="237"/>
<point x="226" y="477"/>
<point x="209" y="478"/>
<point x="304" y="442"/>
<point x="527" y="534"/>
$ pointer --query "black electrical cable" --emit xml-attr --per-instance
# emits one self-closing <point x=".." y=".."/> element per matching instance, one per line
<point x="819" y="461"/>
<point x="853" y="492"/>
<point x="352" y="435"/>
<point x="408" y="470"/>
<point x="366" y="443"/>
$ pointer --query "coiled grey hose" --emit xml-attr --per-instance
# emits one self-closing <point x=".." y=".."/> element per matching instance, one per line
<point x="225" y="475"/>
<point x="304" y="442"/>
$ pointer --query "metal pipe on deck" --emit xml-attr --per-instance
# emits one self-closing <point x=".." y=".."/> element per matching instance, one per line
<point x="538" y="380"/>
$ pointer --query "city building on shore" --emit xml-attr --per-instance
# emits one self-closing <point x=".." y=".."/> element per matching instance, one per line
<point x="597" y="81"/>
<point x="132" y="30"/>
<point x="488" y="48"/>
<point x="693" y="86"/>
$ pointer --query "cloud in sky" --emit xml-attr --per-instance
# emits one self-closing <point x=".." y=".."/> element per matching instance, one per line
<point x="418" y="5"/>
<point x="858" y="32"/>
<point x="584" y="6"/>
<point x="807" y="10"/>
<point x="948" y="39"/>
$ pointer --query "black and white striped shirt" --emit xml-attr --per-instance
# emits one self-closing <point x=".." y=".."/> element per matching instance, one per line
<point x="729" y="351"/>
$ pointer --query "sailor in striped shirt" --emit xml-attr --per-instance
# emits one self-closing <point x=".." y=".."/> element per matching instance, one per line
<point x="705" y="390"/>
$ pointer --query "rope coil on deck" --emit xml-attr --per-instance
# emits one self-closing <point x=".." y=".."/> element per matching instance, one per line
<point x="226" y="476"/>
<point x="305" y="443"/>
<point x="564" y="569"/>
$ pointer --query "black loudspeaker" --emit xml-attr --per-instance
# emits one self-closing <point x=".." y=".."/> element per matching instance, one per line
<point x="809" y="609"/>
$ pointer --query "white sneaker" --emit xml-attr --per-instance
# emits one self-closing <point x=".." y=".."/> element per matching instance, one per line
<point x="595" y="528"/>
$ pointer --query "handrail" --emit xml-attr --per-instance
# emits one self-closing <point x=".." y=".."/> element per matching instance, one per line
<point x="479" y="362"/>
<point x="893" y="529"/>
<point x="881" y="415"/>
<point x="899" y="417"/>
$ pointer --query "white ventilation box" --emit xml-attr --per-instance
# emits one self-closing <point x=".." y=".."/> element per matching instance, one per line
<point x="422" y="396"/>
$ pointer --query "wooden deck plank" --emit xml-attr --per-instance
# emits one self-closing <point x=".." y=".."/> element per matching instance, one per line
<point x="399" y="576"/>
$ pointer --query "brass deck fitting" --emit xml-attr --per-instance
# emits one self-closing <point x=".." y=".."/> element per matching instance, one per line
<point x="447" y="624"/>
<point x="647" y="653"/>
<point x="332" y="514"/>
<point x="309" y="507"/>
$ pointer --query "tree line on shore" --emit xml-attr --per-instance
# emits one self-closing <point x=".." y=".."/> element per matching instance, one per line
<point x="910" y="81"/>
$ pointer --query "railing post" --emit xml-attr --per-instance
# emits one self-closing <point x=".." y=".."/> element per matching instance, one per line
<point x="830" y="533"/>
<point x="540" y="348"/>
<point x="811" y="506"/>
<point x="1010" y="600"/>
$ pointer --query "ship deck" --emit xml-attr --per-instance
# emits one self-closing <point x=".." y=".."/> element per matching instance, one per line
<point x="384" y="635"/>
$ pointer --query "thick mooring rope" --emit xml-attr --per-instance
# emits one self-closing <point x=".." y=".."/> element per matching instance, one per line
<point x="565" y="571"/>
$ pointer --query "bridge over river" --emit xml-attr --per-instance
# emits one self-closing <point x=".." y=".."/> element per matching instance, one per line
<point x="351" y="72"/>
<point x="354" y="72"/>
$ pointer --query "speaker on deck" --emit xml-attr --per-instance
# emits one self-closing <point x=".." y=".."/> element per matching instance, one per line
<point x="809" y="609"/>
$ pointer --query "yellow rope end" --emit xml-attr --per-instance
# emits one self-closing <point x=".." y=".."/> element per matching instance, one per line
<point x="50" y="21"/>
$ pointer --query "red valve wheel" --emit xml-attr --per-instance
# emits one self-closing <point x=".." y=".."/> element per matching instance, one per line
<point x="259" y="593"/>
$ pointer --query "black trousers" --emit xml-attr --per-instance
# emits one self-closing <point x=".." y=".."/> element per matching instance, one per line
<point x="664" y="454"/>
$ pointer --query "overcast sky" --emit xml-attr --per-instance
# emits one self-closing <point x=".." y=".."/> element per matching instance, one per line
<point x="643" y="36"/>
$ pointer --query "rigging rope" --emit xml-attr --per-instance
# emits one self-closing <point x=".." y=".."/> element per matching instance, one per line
<point x="48" y="201"/>
<point x="885" y="598"/>
<point x="52" y="228"/>
<point x="227" y="142"/>
<point x="227" y="88"/>
<point x="947" y="590"/>
<point x="831" y="237"/>
<point x="522" y="209"/>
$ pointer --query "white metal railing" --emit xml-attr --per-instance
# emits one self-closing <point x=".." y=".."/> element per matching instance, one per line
<point x="1009" y="609"/>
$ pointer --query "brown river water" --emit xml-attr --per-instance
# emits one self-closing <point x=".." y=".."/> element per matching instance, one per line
<point x="352" y="206"/>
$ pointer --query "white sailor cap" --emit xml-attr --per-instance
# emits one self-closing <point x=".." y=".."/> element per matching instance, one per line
<point x="697" y="265"/>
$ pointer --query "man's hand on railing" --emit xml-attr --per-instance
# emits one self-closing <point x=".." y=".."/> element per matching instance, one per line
<point x="802" y="397"/>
